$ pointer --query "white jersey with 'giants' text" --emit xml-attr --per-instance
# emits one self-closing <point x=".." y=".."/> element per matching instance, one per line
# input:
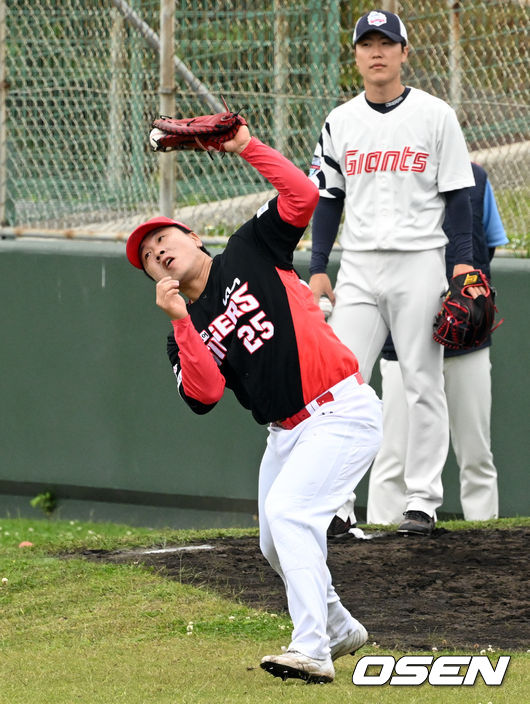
<point x="391" y="169"/>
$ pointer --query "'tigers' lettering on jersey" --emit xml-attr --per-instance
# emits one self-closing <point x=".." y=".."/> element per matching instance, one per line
<point x="229" y="290"/>
<point x="252" y="334"/>
<point x="405" y="159"/>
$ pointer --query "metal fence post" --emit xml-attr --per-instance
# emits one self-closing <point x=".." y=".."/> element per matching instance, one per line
<point x="167" y="102"/>
<point x="281" y="38"/>
<point x="3" y="129"/>
<point x="138" y="131"/>
<point x="116" y="100"/>
<point x="455" y="58"/>
<point x="333" y="33"/>
<point x="391" y="6"/>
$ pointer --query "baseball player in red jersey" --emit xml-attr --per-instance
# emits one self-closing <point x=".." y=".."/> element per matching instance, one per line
<point x="394" y="158"/>
<point x="250" y="324"/>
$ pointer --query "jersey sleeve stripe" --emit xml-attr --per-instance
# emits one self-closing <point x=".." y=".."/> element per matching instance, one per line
<point x="336" y="192"/>
<point x="332" y="163"/>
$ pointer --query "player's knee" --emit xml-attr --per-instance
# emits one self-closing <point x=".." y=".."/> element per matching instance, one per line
<point x="275" y="507"/>
<point x="281" y="512"/>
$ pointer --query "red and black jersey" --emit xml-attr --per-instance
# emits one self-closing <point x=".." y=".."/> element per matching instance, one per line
<point x="260" y="323"/>
<point x="256" y="328"/>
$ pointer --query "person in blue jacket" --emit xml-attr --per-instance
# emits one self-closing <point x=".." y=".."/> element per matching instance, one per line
<point x="467" y="376"/>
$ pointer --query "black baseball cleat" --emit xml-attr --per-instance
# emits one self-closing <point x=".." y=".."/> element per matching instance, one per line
<point x="293" y="664"/>
<point x="416" y="523"/>
<point x="339" y="528"/>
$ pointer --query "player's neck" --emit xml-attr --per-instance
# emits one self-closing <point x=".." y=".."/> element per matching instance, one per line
<point x="192" y="289"/>
<point x="383" y="93"/>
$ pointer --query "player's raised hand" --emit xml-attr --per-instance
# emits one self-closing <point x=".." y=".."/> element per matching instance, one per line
<point x="239" y="142"/>
<point x="168" y="298"/>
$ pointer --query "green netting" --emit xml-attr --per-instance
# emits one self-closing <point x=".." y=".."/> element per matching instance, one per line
<point x="82" y="88"/>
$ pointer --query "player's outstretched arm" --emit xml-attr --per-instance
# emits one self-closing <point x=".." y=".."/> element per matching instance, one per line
<point x="297" y="194"/>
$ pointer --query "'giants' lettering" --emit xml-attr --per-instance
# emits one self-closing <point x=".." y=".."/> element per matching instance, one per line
<point x="394" y="160"/>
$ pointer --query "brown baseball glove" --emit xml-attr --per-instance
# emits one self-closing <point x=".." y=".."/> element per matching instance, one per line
<point x="202" y="133"/>
<point x="464" y="322"/>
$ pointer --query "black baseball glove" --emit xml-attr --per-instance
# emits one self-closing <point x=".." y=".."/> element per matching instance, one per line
<point x="464" y="322"/>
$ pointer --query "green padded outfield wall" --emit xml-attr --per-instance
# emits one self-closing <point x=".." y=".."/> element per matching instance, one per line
<point x="90" y="410"/>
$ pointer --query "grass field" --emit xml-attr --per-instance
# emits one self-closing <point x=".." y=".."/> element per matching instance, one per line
<point x="79" y="631"/>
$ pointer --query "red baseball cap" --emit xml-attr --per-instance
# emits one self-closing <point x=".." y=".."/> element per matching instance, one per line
<point x="137" y="236"/>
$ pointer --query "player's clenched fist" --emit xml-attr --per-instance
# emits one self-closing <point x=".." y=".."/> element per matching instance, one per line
<point x="169" y="299"/>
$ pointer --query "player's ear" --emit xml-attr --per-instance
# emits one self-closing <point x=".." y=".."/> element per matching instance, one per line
<point x="198" y="242"/>
<point x="404" y="53"/>
<point x="196" y="239"/>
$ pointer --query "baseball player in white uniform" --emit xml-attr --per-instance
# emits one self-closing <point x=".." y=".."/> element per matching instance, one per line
<point x="467" y="375"/>
<point x="394" y="158"/>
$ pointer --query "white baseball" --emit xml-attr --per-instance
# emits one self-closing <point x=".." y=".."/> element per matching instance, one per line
<point x="154" y="136"/>
<point x="325" y="306"/>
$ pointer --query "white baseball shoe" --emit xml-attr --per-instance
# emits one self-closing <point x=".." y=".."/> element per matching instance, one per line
<point x="294" y="664"/>
<point x="349" y="645"/>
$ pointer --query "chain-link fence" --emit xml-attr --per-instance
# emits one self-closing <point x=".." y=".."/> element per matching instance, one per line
<point x="79" y="85"/>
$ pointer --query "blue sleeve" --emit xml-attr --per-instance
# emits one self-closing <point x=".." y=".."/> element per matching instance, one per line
<point x="493" y="227"/>
<point x="459" y="219"/>
<point x="326" y="221"/>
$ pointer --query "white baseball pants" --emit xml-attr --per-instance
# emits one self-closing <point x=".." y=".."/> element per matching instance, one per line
<point x="306" y="474"/>
<point x="378" y="291"/>
<point x="468" y="391"/>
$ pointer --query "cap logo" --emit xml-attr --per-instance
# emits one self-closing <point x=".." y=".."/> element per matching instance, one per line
<point x="376" y="18"/>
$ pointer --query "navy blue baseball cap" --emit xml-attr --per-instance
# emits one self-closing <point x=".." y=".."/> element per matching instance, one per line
<point x="380" y="21"/>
